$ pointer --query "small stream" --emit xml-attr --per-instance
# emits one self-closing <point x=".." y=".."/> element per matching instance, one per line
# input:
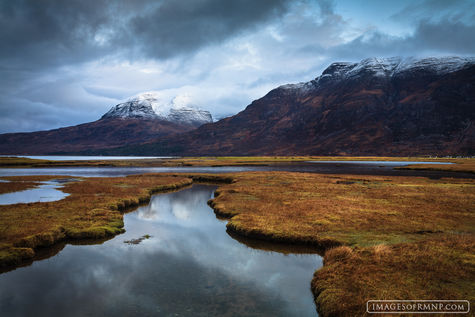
<point x="175" y="259"/>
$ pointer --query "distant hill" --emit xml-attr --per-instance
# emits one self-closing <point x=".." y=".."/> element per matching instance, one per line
<point x="141" y="118"/>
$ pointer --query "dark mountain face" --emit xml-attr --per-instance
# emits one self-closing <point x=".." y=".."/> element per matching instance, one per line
<point x="101" y="134"/>
<point x="375" y="107"/>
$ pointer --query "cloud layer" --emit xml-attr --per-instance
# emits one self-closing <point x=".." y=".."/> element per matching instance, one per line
<point x="67" y="62"/>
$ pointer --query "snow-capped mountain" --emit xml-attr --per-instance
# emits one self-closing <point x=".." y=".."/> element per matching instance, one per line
<point x="150" y="105"/>
<point x="391" y="106"/>
<point x="142" y="118"/>
<point x="384" y="68"/>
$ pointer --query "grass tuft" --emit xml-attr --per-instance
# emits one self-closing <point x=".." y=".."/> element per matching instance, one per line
<point x="338" y="254"/>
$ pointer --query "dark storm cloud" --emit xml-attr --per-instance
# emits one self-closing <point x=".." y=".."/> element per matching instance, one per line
<point x="41" y="33"/>
<point x="434" y="9"/>
<point x="181" y="27"/>
<point x="46" y="33"/>
<point x="442" y="38"/>
<point x="65" y="62"/>
<point x="445" y="36"/>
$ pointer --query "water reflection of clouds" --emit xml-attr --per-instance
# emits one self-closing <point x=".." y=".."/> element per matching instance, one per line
<point x="189" y="267"/>
<point x="178" y="209"/>
<point x="234" y="258"/>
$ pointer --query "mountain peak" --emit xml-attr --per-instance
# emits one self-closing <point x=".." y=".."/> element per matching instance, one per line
<point x="151" y="105"/>
<point x="382" y="68"/>
<point x="393" y="66"/>
<point x="140" y="109"/>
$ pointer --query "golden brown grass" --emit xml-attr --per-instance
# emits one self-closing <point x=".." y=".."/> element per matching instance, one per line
<point x="13" y="162"/>
<point x="400" y="237"/>
<point x="265" y="160"/>
<point x="93" y="210"/>
<point x="442" y="267"/>
<point x="172" y="162"/>
<point x="352" y="210"/>
<point x="19" y="161"/>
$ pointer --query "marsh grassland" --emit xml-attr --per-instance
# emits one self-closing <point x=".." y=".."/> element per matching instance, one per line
<point x="461" y="164"/>
<point x="382" y="237"/>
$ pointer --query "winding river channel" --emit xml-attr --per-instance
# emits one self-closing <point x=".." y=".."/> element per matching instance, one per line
<point x="175" y="259"/>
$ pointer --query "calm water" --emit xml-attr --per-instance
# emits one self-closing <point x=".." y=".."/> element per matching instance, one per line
<point x="189" y="266"/>
<point x="323" y="167"/>
<point x="120" y="171"/>
<point x="47" y="191"/>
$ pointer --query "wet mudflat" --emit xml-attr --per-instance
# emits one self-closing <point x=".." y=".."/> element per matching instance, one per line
<point x="181" y="263"/>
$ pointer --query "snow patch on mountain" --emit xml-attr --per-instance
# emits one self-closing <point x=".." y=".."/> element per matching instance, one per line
<point x="301" y="87"/>
<point x="131" y="109"/>
<point x="152" y="105"/>
<point x="393" y="66"/>
<point x="382" y="68"/>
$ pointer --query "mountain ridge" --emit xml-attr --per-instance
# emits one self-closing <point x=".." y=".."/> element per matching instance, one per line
<point x="393" y="106"/>
<point x="424" y="108"/>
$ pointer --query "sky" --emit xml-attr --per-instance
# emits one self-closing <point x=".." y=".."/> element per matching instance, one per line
<point x="68" y="62"/>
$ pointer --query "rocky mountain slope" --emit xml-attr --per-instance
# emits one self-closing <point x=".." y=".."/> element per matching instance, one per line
<point x="394" y="106"/>
<point x="139" y="119"/>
